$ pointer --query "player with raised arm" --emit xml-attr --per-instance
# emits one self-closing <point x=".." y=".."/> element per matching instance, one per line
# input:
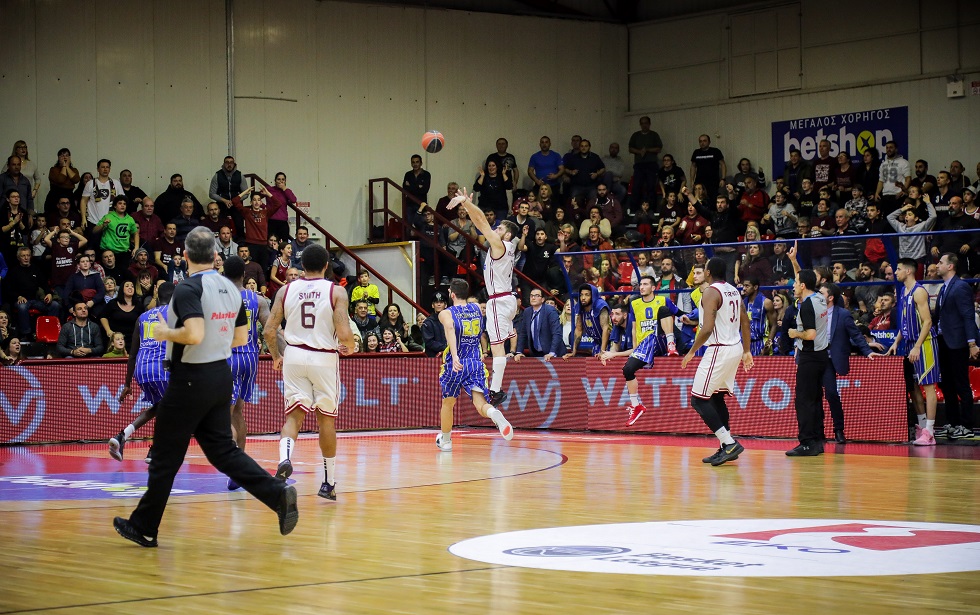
<point x="317" y="331"/>
<point x="146" y="364"/>
<point x="498" y="275"/>
<point x="724" y="328"/>
<point x="462" y="367"/>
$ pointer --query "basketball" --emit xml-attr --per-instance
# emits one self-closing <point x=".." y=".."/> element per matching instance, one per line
<point x="433" y="141"/>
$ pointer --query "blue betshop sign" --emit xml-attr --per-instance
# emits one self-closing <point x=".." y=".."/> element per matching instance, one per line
<point x="853" y="132"/>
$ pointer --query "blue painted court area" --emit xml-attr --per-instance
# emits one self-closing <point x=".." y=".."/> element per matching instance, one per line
<point x="101" y="486"/>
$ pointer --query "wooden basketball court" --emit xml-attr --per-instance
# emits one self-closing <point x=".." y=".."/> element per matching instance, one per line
<point x="383" y="547"/>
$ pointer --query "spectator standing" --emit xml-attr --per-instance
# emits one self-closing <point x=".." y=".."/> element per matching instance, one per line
<point x="795" y="172"/>
<point x="119" y="232"/>
<point x="845" y="177"/>
<point x="134" y="194"/>
<point x="922" y="180"/>
<point x="253" y="270"/>
<point x="957" y="180"/>
<point x="905" y="221"/>
<point x="15" y="224"/>
<point x="85" y="284"/>
<point x="13" y="179"/>
<point x="610" y="208"/>
<point x="964" y="244"/>
<point x="645" y="145"/>
<point x="585" y="170"/>
<point x="257" y="222"/>
<point x="417" y="181"/>
<point x="299" y="243"/>
<point x="943" y="194"/>
<point x="62" y="179"/>
<point x="227" y="182"/>
<point x="32" y="173"/>
<point x="99" y="194"/>
<point x="279" y="221"/>
<point x="545" y="166"/>
<point x="167" y="246"/>
<point x="708" y="166"/>
<point x="670" y="176"/>
<point x="894" y="177"/>
<point x="615" y="171"/>
<point x="753" y="203"/>
<point x="366" y="291"/>
<point x="824" y="167"/>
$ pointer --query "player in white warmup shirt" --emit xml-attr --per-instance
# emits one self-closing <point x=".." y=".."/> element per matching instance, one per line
<point x="498" y="274"/>
<point x="725" y="331"/>
<point x="317" y="331"/>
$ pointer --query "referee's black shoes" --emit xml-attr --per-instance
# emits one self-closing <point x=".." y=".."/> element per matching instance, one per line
<point x="805" y="450"/>
<point x="128" y="531"/>
<point x="287" y="510"/>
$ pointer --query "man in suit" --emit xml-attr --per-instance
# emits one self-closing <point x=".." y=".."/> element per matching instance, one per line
<point x="843" y="335"/>
<point x="539" y="334"/>
<point x="954" y="318"/>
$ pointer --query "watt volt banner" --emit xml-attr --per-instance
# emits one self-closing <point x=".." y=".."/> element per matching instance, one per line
<point x="853" y="132"/>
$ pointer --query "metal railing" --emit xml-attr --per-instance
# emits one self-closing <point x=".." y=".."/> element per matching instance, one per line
<point x="329" y="240"/>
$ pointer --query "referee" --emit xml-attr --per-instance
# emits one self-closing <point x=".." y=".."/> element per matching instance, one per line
<point x="811" y="339"/>
<point x="206" y="318"/>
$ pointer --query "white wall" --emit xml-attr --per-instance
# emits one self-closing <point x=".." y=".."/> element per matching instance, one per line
<point x="688" y="74"/>
<point x="331" y="93"/>
<point x="368" y="81"/>
<point x="140" y="83"/>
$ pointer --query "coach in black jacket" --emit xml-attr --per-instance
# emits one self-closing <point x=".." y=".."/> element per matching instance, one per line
<point x="954" y="318"/>
<point x="539" y="333"/>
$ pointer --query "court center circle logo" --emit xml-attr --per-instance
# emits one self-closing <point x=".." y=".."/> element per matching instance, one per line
<point x="738" y="547"/>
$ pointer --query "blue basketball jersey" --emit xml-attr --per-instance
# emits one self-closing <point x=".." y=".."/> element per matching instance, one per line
<point x="908" y="319"/>
<point x="151" y="353"/>
<point x="468" y="325"/>
<point x="251" y="301"/>
<point x="756" y="311"/>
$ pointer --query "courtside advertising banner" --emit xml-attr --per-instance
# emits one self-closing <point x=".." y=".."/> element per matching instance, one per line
<point x="853" y="132"/>
<point x="61" y="401"/>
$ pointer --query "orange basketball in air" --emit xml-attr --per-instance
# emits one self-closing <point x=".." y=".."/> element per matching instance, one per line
<point x="433" y="141"/>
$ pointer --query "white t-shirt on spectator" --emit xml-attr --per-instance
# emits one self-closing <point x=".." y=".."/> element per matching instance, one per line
<point x="100" y="197"/>
<point x="893" y="170"/>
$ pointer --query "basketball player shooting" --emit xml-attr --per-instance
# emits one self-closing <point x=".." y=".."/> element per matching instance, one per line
<point x="498" y="274"/>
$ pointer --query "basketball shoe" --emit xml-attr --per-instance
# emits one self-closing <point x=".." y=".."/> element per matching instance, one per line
<point x="672" y="349"/>
<point x="328" y="491"/>
<point x="925" y="438"/>
<point x="635" y="413"/>
<point x="284" y="470"/>
<point x="445" y="446"/>
<point x="728" y="452"/>
<point x="116" y="445"/>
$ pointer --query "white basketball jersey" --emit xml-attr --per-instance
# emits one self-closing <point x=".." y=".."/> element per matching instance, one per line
<point x="728" y="319"/>
<point x="498" y="274"/>
<point x="308" y="310"/>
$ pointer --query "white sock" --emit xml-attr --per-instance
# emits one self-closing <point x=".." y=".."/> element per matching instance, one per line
<point x="635" y="399"/>
<point x="724" y="437"/>
<point x="329" y="469"/>
<point x="670" y="337"/>
<point x="922" y="420"/>
<point x="129" y="431"/>
<point x="497" y="377"/>
<point x="286" y="446"/>
<point x="930" y="426"/>
<point x="446" y="437"/>
<point x="493" y="413"/>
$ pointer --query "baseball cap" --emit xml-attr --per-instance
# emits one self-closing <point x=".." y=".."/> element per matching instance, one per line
<point x="439" y="297"/>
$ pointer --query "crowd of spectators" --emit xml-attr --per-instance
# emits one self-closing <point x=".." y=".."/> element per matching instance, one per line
<point x="94" y="252"/>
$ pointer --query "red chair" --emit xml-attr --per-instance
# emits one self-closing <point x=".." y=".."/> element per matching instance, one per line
<point x="48" y="329"/>
<point x="975" y="382"/>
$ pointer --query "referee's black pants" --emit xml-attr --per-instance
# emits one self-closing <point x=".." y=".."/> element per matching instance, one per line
<point x="197" y="403"/>
<point x="810" y="368"/>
